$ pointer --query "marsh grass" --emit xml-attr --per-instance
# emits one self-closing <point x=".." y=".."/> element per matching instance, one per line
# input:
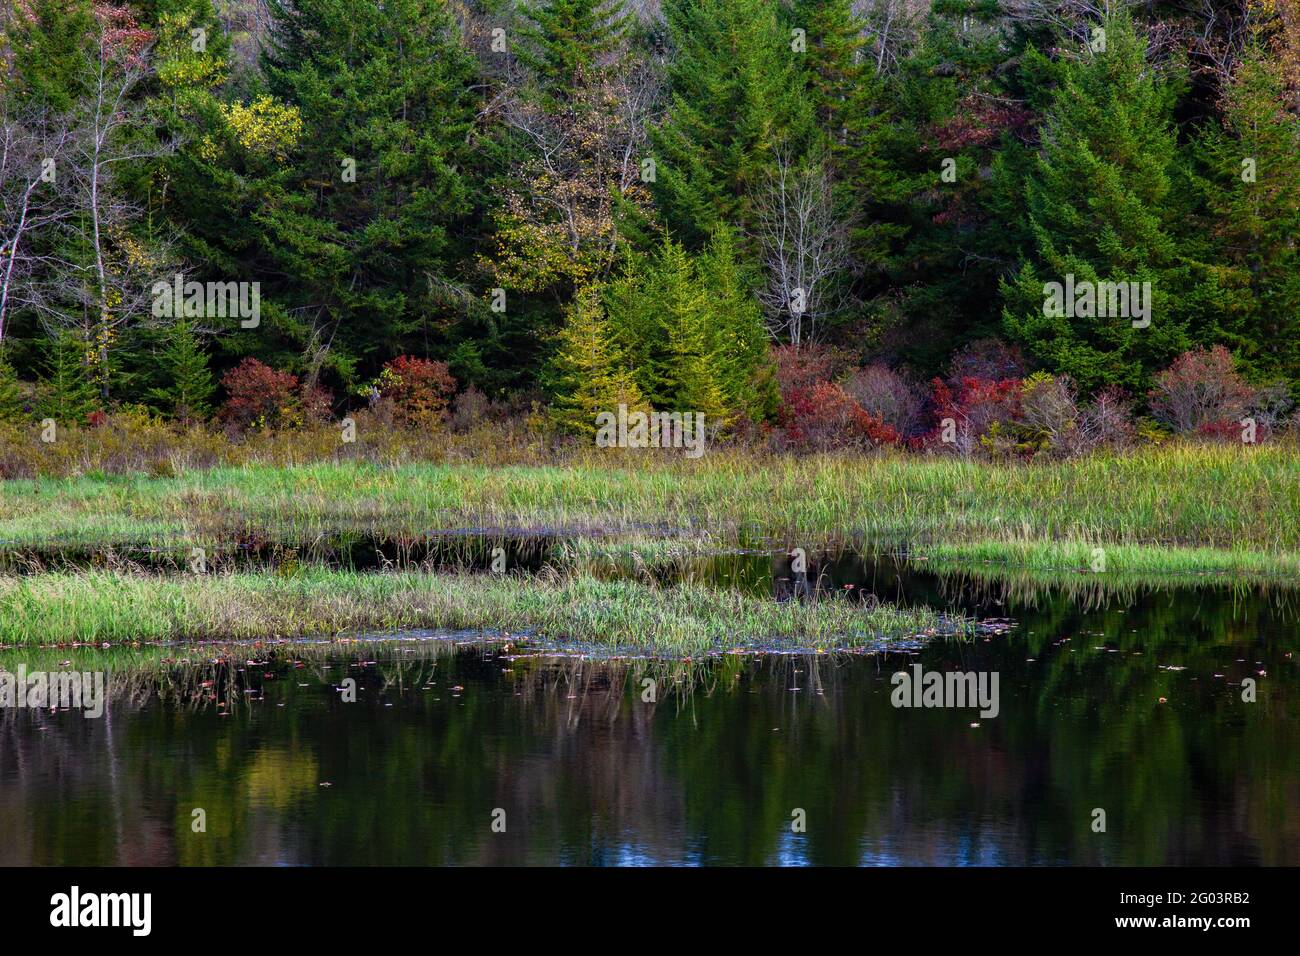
<point x="1197" y="498"/>
<point x="1062" y="560"/>
<point x="95" y="607"/>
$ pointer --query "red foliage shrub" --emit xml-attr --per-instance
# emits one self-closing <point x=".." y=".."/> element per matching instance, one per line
<point x="1201" y="392"/>
<point x="825" y="416"/>
<point x="257" y="396"/>
<point x="1220" y="431"/>
<point x="124" y="39"/>
<point x="816" y="413"/>
<point x="889" y="397"/>
<point x="804" y="367"/>
<point x="317" y="403"/>
<point x="418" y="388"/>
<point x="964" y="413"/>
<point x="979" y="122"/>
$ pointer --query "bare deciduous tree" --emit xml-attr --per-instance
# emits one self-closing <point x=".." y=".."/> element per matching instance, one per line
<point x="1072" y="18"/>
<point x="31" y="147"/>
<point x="804" y="246"/>
<point x="890" y="28"/>
<point x="101" y="283"/>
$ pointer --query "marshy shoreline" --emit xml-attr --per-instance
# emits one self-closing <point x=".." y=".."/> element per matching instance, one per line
<point x="679" y="620"/>
<point x="277" y="546"/>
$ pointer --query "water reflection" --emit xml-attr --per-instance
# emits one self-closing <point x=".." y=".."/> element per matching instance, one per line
<point x="589" y="771"/>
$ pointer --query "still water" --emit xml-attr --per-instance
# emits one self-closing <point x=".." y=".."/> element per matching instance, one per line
<point x="567" y="756"/>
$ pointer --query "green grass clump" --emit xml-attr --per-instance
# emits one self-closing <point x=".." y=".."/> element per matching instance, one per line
<point x="1115" y="560"/>
<point x="679" y="620"/>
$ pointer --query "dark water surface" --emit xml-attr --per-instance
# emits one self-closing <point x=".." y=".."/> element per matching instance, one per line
<point x="443" y="735"/>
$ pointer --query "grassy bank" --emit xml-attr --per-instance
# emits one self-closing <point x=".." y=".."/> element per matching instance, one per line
<point x="1171" y="507"/>
<point x="1054" y="558"/>
<point x="101" y="606"/>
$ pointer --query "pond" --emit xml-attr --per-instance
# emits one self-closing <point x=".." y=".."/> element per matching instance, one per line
<point x="438" y="749"/>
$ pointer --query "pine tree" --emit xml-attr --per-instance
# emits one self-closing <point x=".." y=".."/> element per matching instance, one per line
<point x="1103" y="204"/>
<point x="190" y="385"/>
<point x="1253" y="193"/>
<point x="567" y="41"/>
<point x="69" y="393"/>
<point x="11" y="399"/>
<point x="588" y="374"/>
<point x="368" y="216"/>
<point x="50" y="46"/>
<point x="737" y="333"/>
<point x="736" y="96"/>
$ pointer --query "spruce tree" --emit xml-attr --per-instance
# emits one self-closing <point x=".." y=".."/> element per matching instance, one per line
<point x="1253" y="193"/>
<point x="190" y="385"/>
<point x="833" y="64"/>
<point x="738" y="336"/>
<point x="367" y="218"/>
<point x="933" y="226"/>
<point x="11" y="399"/>
<point x="566" y="41"/>
<point x="693" y="332"/>
<point x="50" y="47"/>
<point x="651" y="300"/>
<point x="69" y="393"/>
<point x="1103" y="204"/>
<point x="736" y="96"/>
<point x="588" y="374"/>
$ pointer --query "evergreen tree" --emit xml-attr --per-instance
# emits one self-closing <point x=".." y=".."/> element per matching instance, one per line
<point x="938" y="217"/>
<point x="190" y="384"/>
<point x="833" y="64"/>
<point x="69" y="393"/>
<point x="693" y="333"/>
<point x="214" y="180"/>
<point x="588" y="373"/>
<point x="693" y="378"/>
<point x="11" y="399"/>
<point x="567" y="41"/>
<point x="1104" y="205"/>
<point x="50" y="44"/>
<point x="736" y="95"/>
<point x="367" y="218"/>
<point x="1253" y="194"/>
<point x="645" y="304"/>
<point x="746" y="376"/>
